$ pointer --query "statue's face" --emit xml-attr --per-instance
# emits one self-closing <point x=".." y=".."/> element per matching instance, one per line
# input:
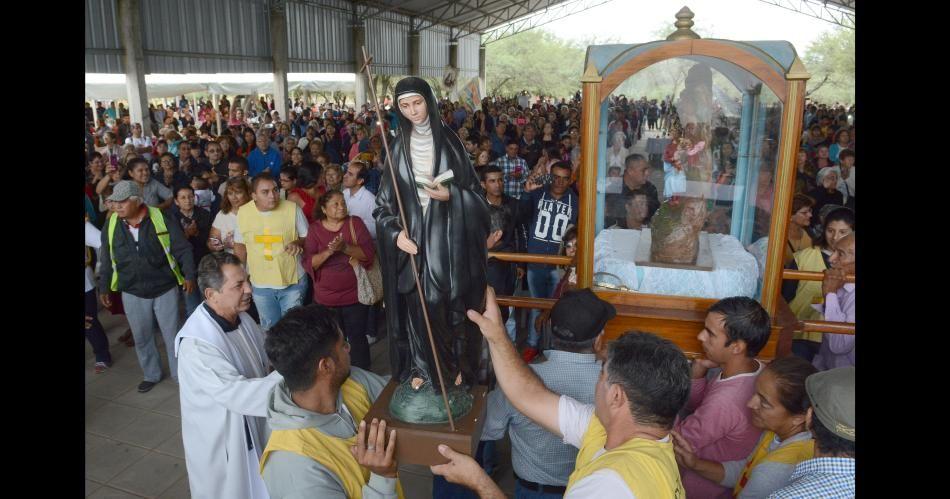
<point x="414" y="108"/>
<point x="694" y="213"/>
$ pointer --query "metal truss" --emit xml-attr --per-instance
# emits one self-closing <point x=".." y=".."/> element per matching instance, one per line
<point x="840" y="12"/>
<point x="541" y="18"/>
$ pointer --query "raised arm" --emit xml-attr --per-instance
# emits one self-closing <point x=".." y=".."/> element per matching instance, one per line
<point x="521" y="385"/>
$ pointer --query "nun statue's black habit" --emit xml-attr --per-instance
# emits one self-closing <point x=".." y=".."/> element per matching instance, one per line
<point x="451" y="240"/>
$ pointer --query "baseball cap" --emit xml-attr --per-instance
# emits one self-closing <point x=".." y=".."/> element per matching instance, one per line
<point x="580" y="315"/>
<point x="124" y="190"/>
<point x="832" y="398"/>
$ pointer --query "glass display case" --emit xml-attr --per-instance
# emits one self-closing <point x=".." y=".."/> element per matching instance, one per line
<point x="684" y="197"/>
<point x="693" y="205"/>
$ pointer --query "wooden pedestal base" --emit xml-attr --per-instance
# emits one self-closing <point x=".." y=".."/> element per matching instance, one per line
<point x="418" y="443"/>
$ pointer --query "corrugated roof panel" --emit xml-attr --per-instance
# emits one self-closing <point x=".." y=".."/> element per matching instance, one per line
<point x="101" y="25"/>
<point x="434" y="52"/>
<point x="204" y="33"/>
<point x="468" y="54"/>
<point x="388" y="43"/>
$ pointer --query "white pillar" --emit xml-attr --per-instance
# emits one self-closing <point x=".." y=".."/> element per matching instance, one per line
<point x="278" y="40"/>
<point x="130" y="29"/>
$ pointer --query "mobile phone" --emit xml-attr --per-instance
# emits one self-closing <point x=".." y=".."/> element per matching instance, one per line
<point x="113" y="160"/>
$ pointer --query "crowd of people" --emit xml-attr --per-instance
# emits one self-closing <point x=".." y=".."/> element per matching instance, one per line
<point x="260" y="230"/>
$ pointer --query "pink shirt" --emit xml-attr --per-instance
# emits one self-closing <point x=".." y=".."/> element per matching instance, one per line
<point x="720" y="428"/>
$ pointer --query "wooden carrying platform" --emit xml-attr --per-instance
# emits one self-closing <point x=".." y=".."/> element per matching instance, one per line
<point x="418" y="443"/>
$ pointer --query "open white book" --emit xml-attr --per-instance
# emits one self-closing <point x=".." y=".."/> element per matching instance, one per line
<point x="445" y="178"/>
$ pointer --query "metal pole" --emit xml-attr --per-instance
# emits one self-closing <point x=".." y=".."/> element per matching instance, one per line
<point x="405" y="226"/>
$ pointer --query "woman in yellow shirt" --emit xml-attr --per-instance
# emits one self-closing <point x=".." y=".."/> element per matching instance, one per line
<point x="778" y="407"/>
<point x="801" y="295"/>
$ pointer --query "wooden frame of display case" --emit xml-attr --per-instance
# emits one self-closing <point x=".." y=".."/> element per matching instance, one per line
<point x="681" y="318"/>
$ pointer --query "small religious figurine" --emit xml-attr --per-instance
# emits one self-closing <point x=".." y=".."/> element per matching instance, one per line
<point x="448" y="224"/>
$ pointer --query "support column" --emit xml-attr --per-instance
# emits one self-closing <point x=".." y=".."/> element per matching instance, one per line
<point x="454" y="63"/>
<point x="586" y="226"/>
<point x="481" y="71"/>
<point x="130" y="29"/>
<point x="362" y="82"/>
<point x="415" y="41"/>
<point x="278" y="43"/>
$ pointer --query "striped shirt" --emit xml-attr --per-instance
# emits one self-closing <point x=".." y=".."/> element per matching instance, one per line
<point x="536" y="454"/>
<point x="820" y="478"/>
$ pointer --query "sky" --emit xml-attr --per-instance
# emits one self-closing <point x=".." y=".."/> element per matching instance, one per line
<point x="634" y="21"/>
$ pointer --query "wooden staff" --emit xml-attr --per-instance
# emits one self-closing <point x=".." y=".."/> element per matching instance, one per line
<point x="405" y="226"/>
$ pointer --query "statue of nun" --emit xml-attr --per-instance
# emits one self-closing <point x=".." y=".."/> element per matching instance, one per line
<point x="448" y="226"/>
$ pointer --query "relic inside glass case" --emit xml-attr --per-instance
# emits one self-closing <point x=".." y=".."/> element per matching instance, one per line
<point x="698" y="138"/>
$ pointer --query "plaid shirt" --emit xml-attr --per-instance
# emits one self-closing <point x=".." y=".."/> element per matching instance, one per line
<point x="820" y="478"/>
<point x="536" y="454"/>
<point x="514" y="187"/>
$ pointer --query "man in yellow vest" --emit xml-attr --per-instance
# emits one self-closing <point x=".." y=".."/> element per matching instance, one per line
<point x="624" y="437"/>
<point x="269" y="239"/>
<point x="145" y="256"/>
<point x="319" y="444"/>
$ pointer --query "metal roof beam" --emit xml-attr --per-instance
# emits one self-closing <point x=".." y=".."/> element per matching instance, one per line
<point x="839" y="12"/>
<point x="541" y="18"/>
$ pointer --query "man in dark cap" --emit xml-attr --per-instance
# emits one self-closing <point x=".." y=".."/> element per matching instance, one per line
<point x="542" y="462"/>
<point x="831" y="422"/>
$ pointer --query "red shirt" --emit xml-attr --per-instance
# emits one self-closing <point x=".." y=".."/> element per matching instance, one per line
<point x="334" y="282"/>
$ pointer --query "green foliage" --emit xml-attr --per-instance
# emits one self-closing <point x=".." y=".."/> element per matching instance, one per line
<point x="830" y="60"/>
<point x="536" y="61"/>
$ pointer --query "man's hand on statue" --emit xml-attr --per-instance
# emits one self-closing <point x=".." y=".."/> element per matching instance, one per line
<point x="440" y="193"/>
<point x="188" y="286"/>
<point x="490" y="324"/>
<point x="463" y="470"/>
<point x="700" y="366"/>
<point x="371" y="450"/>
<point x="293" y="249"/>
<point x="404" y="243"/>
<point x="833" y="281"/>
<point x="106" y="300"/>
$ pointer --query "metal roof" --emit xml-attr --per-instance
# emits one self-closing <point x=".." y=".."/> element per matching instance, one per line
<point x="472" y="16"/>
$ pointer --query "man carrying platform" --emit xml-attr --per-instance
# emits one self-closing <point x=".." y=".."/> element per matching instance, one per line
<point x="624" y="437"/>
<point x="319" y="445"/>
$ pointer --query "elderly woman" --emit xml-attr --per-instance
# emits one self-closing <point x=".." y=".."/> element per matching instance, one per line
<point x="361" y="143"/>
<point x="779" y="406"/>
<point x="616" y="153"/>
<point x="336" y="243"/>
<point x="827" y="190"/>
<point x="800" y="295"/>
<point x="333" y="177"/>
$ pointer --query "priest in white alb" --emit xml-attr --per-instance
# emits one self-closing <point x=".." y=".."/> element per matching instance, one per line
<point x="224" y="385"/>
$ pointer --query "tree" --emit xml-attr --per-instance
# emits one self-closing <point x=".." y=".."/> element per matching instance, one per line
<point x="536" y="61"/>
<point x="830" y="60"/>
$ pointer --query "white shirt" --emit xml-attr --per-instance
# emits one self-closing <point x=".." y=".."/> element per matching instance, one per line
<point x="302" y="226"/>
<point x="362" y="205"/>
<point x="141" y="142"/>
<point x="93" y="240"/>
<point x="226" y="223"/>
<point x="573" y="420"/>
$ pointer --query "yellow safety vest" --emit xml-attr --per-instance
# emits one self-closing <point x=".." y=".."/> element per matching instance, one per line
<point x="808" y="292"/>
<point x="647" y="467"/>
<point x="791" y="453"/>
<point x="265" y="238"/>
<point x="332" y="452"/>
<point x="158" y="220"/>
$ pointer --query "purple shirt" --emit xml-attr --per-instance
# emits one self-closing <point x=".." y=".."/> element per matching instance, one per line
<point x="837" y="350"/>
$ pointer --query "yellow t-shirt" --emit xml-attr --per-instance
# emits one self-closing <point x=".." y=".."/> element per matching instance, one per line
<point x="265" y="237"/>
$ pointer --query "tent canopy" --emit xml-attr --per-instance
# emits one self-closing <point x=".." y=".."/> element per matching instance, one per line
<point x="113" y="86"/>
